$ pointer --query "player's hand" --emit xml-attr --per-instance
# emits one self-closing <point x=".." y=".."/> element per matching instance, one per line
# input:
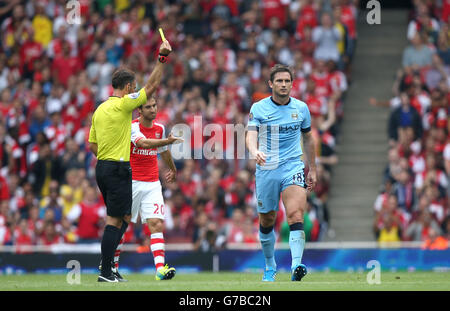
<point x="174" y="140"/>
<point x="260" y="157"/>
<point x="311" y="180"/>
<point x="171" y="176"/>
<point x="165" y="48"/>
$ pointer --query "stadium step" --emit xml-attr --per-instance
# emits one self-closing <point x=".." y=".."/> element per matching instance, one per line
<point x="363" y="141"/>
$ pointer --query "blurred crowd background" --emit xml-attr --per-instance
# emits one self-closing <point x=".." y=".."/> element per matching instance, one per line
<point x="53" y="74"/>
<point x="413" y="203"/>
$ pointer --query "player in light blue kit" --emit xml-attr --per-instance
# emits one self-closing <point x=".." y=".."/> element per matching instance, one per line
<point x="275" y="127"/>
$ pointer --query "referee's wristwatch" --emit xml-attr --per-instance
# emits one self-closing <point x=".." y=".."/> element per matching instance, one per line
<point x="163" y="58"/>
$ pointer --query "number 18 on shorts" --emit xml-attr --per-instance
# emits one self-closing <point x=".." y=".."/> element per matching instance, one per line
<point x="148" y="201"/>
<point x="270" y="183"/>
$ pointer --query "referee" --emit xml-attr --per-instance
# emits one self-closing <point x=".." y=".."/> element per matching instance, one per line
<point x="109" y="140"/>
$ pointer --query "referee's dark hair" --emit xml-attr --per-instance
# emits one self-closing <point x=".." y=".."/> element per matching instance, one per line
<point x="122" y="77"/>
<point x="280" y="68"/>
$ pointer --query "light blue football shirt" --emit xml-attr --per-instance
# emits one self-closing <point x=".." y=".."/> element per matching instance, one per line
<point x="279" y="129"/>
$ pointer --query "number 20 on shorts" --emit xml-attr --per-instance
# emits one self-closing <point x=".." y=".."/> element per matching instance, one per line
<point x="159" y="209"/>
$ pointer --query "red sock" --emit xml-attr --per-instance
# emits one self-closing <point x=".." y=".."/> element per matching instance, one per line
<point x="157" y="248"/>
<point x="117" y="254"/>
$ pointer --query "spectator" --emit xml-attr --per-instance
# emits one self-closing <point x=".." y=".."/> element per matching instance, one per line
<point x="435" y="241"/>
<point x="42" y="25"/>
<point x="420" y="229"/>
<point x="403" y="120"/>
<point x="50" y="236"/>
<point x="71" y="191"/>
<point x="65" y="65"/>
<point x="417" y="54"/>
<point x="390" y="232"/>
<point x="99" y="72"/>
<point x="52" y="201"/>
<point x="44" y="170"/>
<point x="89" y="215"/>
<point x="404" y="190"/>
<point x="39" y="122"/>
<point x="207" y="237"/>
<point x="326" y="36"/>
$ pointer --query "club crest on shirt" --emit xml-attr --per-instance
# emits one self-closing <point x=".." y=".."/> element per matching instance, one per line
<point x="250" y="116"/>
<point x="134" y="95"/>
<point x="157" y="135"/>
<point x="294" y="116"/>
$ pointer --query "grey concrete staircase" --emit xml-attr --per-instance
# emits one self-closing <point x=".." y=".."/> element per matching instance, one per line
<point x="363" y="140"/>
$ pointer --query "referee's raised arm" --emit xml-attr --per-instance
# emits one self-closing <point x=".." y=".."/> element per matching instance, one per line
<point x="155" y="78"/>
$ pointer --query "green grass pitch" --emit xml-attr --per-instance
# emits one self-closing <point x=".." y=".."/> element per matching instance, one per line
<point x="232" y="281"/>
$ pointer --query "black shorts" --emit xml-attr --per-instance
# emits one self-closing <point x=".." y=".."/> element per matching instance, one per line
<point x="114" y="180"/>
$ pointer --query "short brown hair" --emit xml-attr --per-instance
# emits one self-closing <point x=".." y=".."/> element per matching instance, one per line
<point x="280" y="68"/>
<point x="122" y="77"/>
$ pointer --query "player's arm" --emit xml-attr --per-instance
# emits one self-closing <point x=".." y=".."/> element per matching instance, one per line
<point x="171" y="175"/>
<point x="252" y="146"/>
<point x="310" y="151"/>
<point x="251" y="140"/>
<point x="155" y="78"/>
<point x="147" y="143"/>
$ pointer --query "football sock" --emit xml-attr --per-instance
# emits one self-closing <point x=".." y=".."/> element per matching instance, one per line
<point x="267" y="239"/>
<point x="296" y="243"/>
<point x="122" y="229"/>
<point x="117" y="253"/>
<point x="108" y="245"/>
<point x="157" y="248"/>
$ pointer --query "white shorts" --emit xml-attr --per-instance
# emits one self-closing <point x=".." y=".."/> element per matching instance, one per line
<point x="147" y="201"/>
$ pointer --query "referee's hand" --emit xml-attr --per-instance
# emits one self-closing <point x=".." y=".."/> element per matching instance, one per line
<point x="165" y="48"/>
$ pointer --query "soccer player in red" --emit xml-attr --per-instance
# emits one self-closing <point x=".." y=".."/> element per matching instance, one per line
<point x="147" y="140"/>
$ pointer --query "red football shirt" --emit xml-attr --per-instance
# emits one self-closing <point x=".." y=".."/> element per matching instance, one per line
<point x="144" y="162"/>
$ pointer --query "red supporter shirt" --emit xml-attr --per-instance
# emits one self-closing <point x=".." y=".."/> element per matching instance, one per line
<point x="322" y="81"/>
<point x="445" y="10"/>
<point x="89" y="218"/>
<point x="65" y="68"/>
<point x="144" y="162"/>
<point x="274" y="8"/>
<point x="348" y="18"/>
<point x="29" y="52"/>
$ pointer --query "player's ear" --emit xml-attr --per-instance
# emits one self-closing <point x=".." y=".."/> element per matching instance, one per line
<point x="270" y="84"/>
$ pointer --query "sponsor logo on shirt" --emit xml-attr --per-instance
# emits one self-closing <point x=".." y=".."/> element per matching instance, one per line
<point x="290" y="128"/>
<point x="149" y="152"/>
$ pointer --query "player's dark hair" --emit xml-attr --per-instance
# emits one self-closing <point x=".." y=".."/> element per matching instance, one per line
<point x="122" y="77"/>
<point x="151" y="97"/>
<point x="280" y="68"/>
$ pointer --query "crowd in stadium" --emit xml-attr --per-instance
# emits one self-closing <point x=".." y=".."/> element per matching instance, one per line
<point x="413" y="203"/>
<point x="53" y="74"/>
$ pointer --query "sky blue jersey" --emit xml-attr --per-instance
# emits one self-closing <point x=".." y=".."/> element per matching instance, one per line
<point x="279" y="128"/>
